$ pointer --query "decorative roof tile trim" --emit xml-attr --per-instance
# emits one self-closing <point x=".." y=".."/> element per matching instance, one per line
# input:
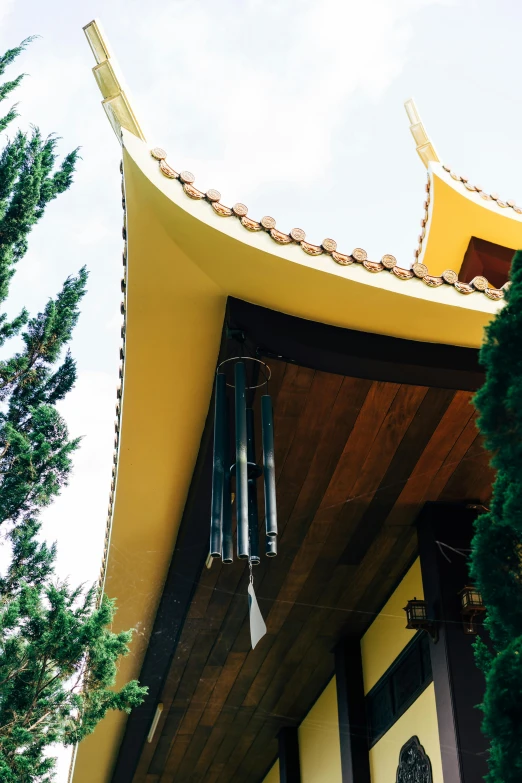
<point x="424" y="220"/>
<point x="117" y="423"/>
<point x="328" y="246"/>
<point x="509" y="204"/>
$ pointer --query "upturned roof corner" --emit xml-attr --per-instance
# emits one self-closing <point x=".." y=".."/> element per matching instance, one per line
<point x="116" y="101"/>
<point x="425" y="149"/>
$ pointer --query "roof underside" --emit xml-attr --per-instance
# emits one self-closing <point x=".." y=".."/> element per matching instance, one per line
<point x="356" y="460"/>
<point x="182" y="263"/>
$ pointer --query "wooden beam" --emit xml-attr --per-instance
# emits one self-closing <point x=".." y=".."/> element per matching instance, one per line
<point x="459" y="685"/>
<point x="289" y="766"/>
<point x="375" y="357"/>
<point x="355" y="760"/>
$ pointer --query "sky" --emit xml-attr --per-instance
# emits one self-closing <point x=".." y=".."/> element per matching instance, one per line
<point x="294" y="107"/>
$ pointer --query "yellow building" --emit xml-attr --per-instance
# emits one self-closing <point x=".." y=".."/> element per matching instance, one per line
<point x="379" y="472"/>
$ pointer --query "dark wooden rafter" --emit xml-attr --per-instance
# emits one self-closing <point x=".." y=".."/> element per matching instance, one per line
<point x="356" y="354"/>
<point x="289" y="765"/>
<point x="356" y="459"/>
<point x="355" y="762"/>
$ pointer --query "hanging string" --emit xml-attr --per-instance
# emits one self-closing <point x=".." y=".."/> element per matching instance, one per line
<point x="462" y="552"/>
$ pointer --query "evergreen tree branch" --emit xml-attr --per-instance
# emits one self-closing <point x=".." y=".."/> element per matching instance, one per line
<point x="11" y="54"/>
<point x="496" y="559"/>
<point x="58" y="656"/>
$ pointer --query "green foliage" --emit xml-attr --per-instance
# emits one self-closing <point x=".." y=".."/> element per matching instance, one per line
<point x="34" y="446"/>
<point x="497" y="545"/>
<point x="57" y="663"/>
<point x="7" y="87"/>
<point x="58" y="658"/>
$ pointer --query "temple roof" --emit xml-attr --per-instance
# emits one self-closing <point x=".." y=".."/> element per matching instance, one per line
<point x="328" y="246"/>
<point x="445" y="231"/>
<point x="256" y="261"/>
<point x="186" y="254"/>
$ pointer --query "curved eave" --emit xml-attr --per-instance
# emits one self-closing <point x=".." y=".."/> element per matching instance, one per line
<point x="458" y="211"/>
<point x="251" y="266"/>
<point x="183" y="260"/>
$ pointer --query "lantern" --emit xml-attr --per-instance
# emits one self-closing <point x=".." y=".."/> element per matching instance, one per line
<point x="417" y="617"/>
<point x="471" y="606"/>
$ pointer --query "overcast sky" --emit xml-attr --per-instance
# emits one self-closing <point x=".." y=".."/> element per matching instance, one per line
<point x="294" y="107"/>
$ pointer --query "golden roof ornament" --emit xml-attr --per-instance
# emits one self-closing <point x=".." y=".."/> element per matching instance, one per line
<point x="425" y="149"/>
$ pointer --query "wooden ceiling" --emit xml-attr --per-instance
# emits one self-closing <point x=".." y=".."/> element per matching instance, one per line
<point x="356" y="460"/>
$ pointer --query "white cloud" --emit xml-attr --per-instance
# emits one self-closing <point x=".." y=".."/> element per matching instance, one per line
<point x="5" y="10"/>
<point x="275" y="80"/>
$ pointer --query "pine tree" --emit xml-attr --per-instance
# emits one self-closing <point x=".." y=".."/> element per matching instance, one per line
<point x="497" y="546"/>
<point x="58" y="657"/>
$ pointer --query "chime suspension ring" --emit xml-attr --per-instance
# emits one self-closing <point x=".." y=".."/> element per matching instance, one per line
<point x="265" y="369"/>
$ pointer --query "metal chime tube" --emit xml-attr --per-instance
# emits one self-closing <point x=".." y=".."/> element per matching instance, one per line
<point x="267" y="425"/>
<point x="253" y="515"/>
<point x="241" y="461"/>
<point x="227" y="554"/>
<point x="219" y="466"/>
<point x="271" y="546"/>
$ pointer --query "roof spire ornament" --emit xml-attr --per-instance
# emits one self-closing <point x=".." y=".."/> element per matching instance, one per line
<point x="116" y="101"/>
<point x="425" y="149"/>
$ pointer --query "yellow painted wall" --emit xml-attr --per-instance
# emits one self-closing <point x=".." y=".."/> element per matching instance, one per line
<point x="421" y="721"/>
<point x="319" y="745"/>
<point x="273" y="775"/>
<point x="382" y="643"/>
<point x="388" y="635"/>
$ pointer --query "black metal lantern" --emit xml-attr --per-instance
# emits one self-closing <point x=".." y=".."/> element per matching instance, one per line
<point x="471" y="606"/>
<point x="417" y="617"/>
<point x="244" y="469"/>
<point x="416" y="613"/>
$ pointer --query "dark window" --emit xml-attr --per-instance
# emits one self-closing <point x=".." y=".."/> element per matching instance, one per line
<point x="381" y="709"/>
<point x="407" y="677"/>
<point x="398" y="688"/>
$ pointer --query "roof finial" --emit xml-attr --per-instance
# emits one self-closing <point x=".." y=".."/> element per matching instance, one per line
<point x="425" y="148"/>
<point x="115" y="99"/>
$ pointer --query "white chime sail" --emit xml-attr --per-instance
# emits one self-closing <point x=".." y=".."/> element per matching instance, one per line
<point x="257" y="624"/>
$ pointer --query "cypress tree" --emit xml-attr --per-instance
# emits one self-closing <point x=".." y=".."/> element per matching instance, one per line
<point x="496" y="558"/>
<point x="58" y="658"/>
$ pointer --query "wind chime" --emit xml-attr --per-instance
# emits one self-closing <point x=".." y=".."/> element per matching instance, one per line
<point x="245" y="472"/>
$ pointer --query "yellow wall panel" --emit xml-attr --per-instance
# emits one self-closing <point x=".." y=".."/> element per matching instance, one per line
<point x="388" y="635"/>
<point x="421" y="721"/>
<point x="319" y="745"/>
<point x="273" y="775"/>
